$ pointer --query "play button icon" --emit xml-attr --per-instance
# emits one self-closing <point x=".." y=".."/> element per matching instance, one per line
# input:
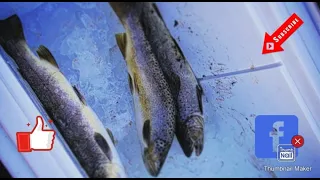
<point x="270" y="46"/>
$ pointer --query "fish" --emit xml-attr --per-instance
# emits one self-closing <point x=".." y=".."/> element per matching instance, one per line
<point x="154" y="107"/>
<point x="90" y="142"/>
<point x="185" y="87"/>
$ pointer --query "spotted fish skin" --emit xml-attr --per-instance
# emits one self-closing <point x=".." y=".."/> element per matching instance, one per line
<point x="77" y="123"/>
<point x="186" y="90"/>
<point x="155" y="110"/>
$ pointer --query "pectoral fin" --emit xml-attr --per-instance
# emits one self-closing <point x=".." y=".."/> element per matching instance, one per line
<point x="103" y="144"/>
<point x="45" y="54"/>
<point x="81" y="97"/>
<point x="146" y="131"/>
<point x="130" y="83"/>
<point x="135" y="84"/>
<point x="121" y="39"/>
<point x="155" y="7"/>
<point x="19" y="70"/>
<point x="111" y="135"/>
<point x="178" y="48"/>
<point x="199" y="95"/>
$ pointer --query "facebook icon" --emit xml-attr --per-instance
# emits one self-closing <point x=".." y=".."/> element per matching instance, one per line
<point x="272" y="131"/>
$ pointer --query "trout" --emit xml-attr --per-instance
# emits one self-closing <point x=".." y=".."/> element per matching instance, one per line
<point x="185" y="88"/>
<point x="155" y="111"/>
<point x="83" y="131"/>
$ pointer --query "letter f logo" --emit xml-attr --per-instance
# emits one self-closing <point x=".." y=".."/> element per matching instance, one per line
<point x="275" y="134"/>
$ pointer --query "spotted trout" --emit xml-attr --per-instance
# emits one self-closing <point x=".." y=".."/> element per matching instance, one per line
<point x="84" y="133"/>
<point x="155" y="111"/>
<point x="186" y="89"/>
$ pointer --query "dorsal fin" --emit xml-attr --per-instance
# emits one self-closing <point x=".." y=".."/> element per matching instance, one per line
<point x="45" y="54"/>
<point x="121" y="39"/>
<point x="81" y="97"/>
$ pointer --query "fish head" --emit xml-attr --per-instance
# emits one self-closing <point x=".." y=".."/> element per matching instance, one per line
<point x="191" y="134"/>
<point x="108" y="170"/>
<point x="154" y="156"/>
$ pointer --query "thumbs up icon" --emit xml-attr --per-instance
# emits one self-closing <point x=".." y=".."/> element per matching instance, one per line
<point x="36" y="140"/>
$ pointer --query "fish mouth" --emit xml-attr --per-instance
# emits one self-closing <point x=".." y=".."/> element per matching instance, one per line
<point x="153" y="168"/>
<point x="190" y="135"/>
<point x="153" y="163"/>
<point x="107" y="170"/>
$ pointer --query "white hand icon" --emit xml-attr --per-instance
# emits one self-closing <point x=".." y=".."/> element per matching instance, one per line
<point x="36" y="140"/>
<point x="41" y="139"/>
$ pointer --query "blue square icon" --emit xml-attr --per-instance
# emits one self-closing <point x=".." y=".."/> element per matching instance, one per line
<point x="272" y="131"/>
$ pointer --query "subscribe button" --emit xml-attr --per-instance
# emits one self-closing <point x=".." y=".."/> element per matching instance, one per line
<point x="270" y="46"/>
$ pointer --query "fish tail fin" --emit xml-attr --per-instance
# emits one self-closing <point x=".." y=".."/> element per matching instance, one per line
<point x="11" y="29"/>
<point x="124" y="9"/>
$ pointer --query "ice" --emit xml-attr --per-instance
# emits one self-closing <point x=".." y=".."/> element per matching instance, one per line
<point x="81" y="37"/>
<point x="8" y="8"/>
<point x="214" y="33"/>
